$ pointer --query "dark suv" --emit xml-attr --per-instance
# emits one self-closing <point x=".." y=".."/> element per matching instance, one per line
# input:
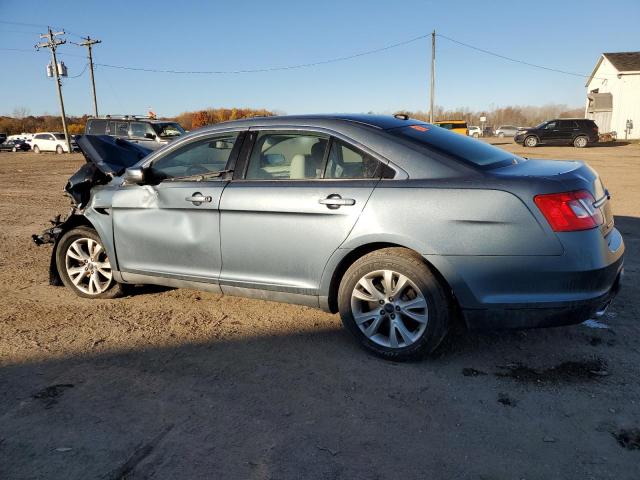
<point x="148" y="132"/>
<point x="578" y="132"/>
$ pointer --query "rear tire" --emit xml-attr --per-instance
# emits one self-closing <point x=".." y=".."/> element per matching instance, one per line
<point x="501" y="135"/>
<point x="36" y="149"/>
<point x="83" y="265"/>
<point x="59" y="150"/>
<point x="14" y="149"/>
<point x="531" y="141"/>
<point x="394" y="305"/>
<point x="580" y="142"/>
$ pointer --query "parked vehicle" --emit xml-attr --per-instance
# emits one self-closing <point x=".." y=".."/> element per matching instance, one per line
<point x="579" y="132"/>
<point x="394" y="223"/>
<point x="506" y="131"/>
<point x="15" y="146"/>
<point x="3" y="137"/>
<point x="475" y="132"/>
<point x="147" y="132"/>
<point x="458" y="126"/>
<point x="51" y="142"/>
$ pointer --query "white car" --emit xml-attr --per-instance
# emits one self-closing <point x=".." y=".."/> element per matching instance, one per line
<point x="51" y="142"/>
<point x="475" y="132"/>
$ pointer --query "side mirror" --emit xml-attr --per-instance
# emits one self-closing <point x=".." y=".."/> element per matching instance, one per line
<point x="133" y="176"/>
<point x="150" y="136"/>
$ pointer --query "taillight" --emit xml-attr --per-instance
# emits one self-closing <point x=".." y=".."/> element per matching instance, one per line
<point x="569" y="211"/>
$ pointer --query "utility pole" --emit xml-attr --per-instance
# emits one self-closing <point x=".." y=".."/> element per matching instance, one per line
<point x="53" y="43"/>
<point x="433" y="75"/>
<point x="89" y="42"/>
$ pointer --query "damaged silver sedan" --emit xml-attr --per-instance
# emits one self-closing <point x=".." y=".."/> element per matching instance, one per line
<point x="398" y="225"/>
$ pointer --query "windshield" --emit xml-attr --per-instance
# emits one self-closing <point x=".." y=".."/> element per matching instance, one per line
<point x="59" y="136"/>
<point x="458" y="146"/>
<point x="541" y="125"/>
<point x="169" y="129"/>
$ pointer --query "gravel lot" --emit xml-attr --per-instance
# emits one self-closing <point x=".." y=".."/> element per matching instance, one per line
<point x="182" y="384"/>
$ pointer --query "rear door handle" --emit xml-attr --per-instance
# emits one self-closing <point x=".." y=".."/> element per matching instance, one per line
<point x="198" y="199"/>
<point x="335" y="201"/>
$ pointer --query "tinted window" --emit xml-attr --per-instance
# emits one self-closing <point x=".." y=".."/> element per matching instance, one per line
<point x="96" y="127"/>
<point x="551" y="125"/>
<point x="202" y="157"/>
<point x="457" y="146"/>
<point x="567" y="124"/>
<point x="346" y="162"/>
<point x="285" y="156"/>
<point x="118" y="129"/>
<point x="58" y="136"/>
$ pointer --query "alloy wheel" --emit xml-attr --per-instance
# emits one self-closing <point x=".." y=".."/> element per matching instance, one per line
<point x="88" y="267"/>
<point x="580" y="142"/>
<point x="531" y="141"/>
<point x="389" y="309"/>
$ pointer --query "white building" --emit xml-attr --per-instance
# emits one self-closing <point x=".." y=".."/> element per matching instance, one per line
<point x="613" y="94"/>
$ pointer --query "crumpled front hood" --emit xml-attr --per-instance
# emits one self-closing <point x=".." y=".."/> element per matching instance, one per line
<point x="107" y="157"/>
<point x="109" y="154"/>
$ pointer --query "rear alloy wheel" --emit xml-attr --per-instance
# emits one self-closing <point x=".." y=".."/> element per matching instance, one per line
<point x="531" y="141"/>
<point x="83" y="265"/>
<point x="501" y="135"/>
<point x="59" y="149"/>
<point x="36" y="149"/>
<point x="14" y="149"/>
<point x="393" y="304"/>
<point x="580" y="142"/>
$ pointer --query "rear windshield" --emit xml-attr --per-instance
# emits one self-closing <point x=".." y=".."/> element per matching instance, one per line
<point x="463" y="148"/>
<point x="170" y="129"/>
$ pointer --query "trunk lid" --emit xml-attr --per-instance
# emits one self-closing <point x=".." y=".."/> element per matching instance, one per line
<point x="573" y="175"/>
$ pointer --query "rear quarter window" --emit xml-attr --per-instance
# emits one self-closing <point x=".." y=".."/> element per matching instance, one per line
<point x="459" y="147"/>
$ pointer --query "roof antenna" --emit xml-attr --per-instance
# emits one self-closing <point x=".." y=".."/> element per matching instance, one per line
<point x="401" y="116"/>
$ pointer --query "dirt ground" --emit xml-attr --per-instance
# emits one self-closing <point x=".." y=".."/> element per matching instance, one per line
<point x="169" y="384"/>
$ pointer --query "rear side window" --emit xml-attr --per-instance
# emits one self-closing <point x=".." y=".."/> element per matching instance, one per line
<point x="346" y="162"/>
<point x="453" y="145"/>
<point x="287" y="156"/>
<point x="96" y="127"/>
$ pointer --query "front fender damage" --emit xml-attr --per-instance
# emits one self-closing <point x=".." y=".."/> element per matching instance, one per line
<point x="106" y="158"/>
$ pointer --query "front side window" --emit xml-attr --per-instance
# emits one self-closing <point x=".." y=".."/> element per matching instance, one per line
<point x="203" y="157"/>
<point x="140" y="130"/>
<point x="346" y="162"/>
<point x="287" y="156"/>
<point x="551" y="126"/>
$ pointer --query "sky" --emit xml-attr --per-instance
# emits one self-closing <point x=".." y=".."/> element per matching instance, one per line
<point x="246" y="34"/>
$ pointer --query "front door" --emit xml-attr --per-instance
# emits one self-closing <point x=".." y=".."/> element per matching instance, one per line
<point x="170" y="226"/>
<point x="551" y="133"/>
<point x="298" y="199"/>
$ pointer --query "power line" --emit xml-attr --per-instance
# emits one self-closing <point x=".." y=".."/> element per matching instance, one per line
<point x="515" y="60"/>
<point x="269" y="69"/>
<point x="84" y="69"/>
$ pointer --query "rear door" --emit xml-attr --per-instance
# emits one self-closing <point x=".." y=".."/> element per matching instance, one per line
<point x="169" y="227"/>
<point x="290" y="207"/>
<point x="567" y="130"/>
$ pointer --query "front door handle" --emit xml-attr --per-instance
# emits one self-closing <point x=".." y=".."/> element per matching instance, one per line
<point x="198" y="199"/>
<point x="335" y="201"/>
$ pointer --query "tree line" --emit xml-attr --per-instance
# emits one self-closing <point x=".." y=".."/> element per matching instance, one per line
<point x="523" y="116"/>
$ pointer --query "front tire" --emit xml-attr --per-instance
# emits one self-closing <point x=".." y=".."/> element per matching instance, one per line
<point x="83" y="265"/>
<point x="394" y="305"/>
<point x="501" y="135"/>
<point x="36" y="149"/>
<point x="531" y="141"/>
<point x="580" y="142"/>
